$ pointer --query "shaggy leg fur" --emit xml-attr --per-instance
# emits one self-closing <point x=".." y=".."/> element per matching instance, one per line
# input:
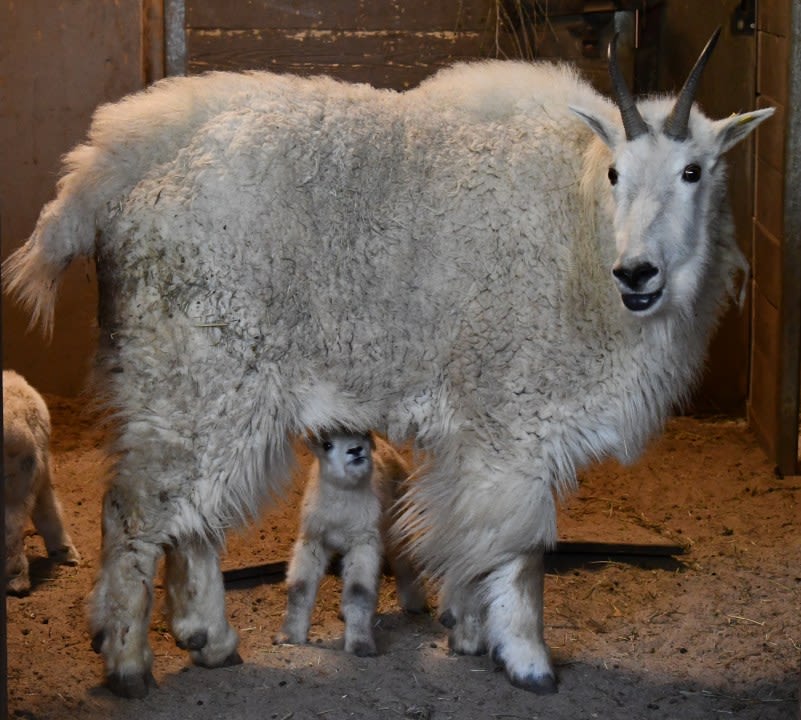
<point x="122" y="600"/>
<point x="17" y="580"/>
<point x="514" y="623"/>
<point x="463" y="615"/>
<point x="47" y="518"/>
<point x="121" y="604"/>
<point x="360" y="576"/>
<point x="411" y="595"/>
<point x="306" y="569"/>
<point x="196" y="604"/>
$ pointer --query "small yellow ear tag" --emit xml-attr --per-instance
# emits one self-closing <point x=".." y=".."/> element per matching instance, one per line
<point x="745" y="119"/>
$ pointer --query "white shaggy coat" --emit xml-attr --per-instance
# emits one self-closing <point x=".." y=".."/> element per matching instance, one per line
<point x="277" y="255"/>
<point x="27" y="482"/>
<point x="353" y="485"/>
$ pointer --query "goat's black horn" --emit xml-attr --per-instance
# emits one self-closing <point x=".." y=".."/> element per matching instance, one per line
<point x="633" y="123"/>
<point x="676" y="125"/>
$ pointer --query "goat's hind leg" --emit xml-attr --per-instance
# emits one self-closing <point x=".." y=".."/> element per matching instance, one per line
<point x="514" y="622"/>
<point x="122" y="600"/>
<point x="463" y="615"/>
<point x="196" y="604"/>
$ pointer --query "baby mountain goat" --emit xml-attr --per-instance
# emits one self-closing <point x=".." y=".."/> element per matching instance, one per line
<point x="353" y="484"/>
<point x="28" y="487"/>
<point x="500" y="263"/>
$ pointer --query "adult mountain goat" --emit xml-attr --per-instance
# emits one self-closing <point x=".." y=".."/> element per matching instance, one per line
<point x="279" y="255"/>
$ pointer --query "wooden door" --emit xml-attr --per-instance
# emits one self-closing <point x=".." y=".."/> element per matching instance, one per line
<point x="776" y="337"/>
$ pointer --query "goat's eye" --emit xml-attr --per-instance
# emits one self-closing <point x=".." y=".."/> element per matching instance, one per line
<point x="612" y="175"/>
<point x="692" y="173"/>
<point x="327" y="445"/>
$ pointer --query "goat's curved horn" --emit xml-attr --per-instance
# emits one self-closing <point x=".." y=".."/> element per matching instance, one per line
<point x="633" y="123"/>
<point x="676" y="125"/>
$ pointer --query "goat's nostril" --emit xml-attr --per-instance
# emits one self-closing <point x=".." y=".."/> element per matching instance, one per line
<point x="635" y="277"/>
<point x="357" y="450"/>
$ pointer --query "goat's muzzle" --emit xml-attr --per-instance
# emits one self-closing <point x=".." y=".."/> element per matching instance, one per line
<point x="632" y="281"/>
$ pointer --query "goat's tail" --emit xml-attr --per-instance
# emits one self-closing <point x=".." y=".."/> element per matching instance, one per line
<point x="65" y="230"/>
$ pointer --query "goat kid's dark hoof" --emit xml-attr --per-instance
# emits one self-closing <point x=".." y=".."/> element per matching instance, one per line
<point x="135" y="687"/>
<point x="447" y="620"/>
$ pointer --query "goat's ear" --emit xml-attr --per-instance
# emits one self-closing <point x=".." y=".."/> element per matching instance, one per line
<point x="730" y="130"/>
<point x="607" y="131"/>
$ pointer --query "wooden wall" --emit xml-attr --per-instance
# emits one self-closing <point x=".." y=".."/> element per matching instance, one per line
<point x="774" y="397"/>
<point x="59" y="60"/>
<point x="397" y="44"/>
<point x="389" y="44"/>
<point x="728" y="85"/>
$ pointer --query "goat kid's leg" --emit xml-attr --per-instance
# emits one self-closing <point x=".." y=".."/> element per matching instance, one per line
<point x="463" y="615"/>
<point x="196" y="604"/>
<point x="306" y="570"/>
<point x="360" y="577"/>
<point x="514" y="622"/>
<point x="48" y="519"/>
<point x="17" y="579"/>
<point x="122" y="599"/>
<point x="411" y="594"/>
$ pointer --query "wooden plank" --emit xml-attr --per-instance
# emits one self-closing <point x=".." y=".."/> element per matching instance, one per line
<point x="769" y="207"/>
<point x="773" y="16"/>
<point x="772" y="66"/>
<point x="59" y="61"/>
<point x="578" y="553"/>
<point x="417" y="15"/>
<point x="386" y="59"/>
<point x="153" y="42"/>
<point x="763" y="399"/>
<point x="767" y="270"/>
<point x="770" y="135"/>
<point x="790" y="359"/>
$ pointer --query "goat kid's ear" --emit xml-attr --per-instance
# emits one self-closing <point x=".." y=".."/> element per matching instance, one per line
<point x="607" y="131"/>
<point x="730" y="130"/>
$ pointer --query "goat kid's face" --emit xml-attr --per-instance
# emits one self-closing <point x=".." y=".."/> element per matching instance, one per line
<point x="667" y="183"/>
<point x="345" y="458"/>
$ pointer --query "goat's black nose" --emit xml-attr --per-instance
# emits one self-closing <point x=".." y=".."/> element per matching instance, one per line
<point x="356" y="450"/>
<point x="635" y="277"/>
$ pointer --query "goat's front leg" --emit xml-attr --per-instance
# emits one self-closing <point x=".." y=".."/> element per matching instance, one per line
<point x="196" y="604"/>
<point x="514" y="622"/>
<point x="360" y="577"/>
<point x="306" y="569"/>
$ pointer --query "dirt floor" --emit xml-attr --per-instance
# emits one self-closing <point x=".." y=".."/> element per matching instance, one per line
<point x="712" y="633"/>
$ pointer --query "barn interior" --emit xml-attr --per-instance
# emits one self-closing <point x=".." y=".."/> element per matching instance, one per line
<point x="675" y="588"/>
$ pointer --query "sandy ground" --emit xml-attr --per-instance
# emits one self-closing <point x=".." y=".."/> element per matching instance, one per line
<point x="712" y="633"/>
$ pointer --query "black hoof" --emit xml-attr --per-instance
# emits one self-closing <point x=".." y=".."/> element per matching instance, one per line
<point x="476" y="651"/>
<point x="233" y="659"/>
<point x="97" y="641"/>
<point x="538" y="684"/>
<point x="196" y="641"/>
<point x="447" y="619"/>
<point x="131" y="686"/>
<point x="363" y="649"/>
